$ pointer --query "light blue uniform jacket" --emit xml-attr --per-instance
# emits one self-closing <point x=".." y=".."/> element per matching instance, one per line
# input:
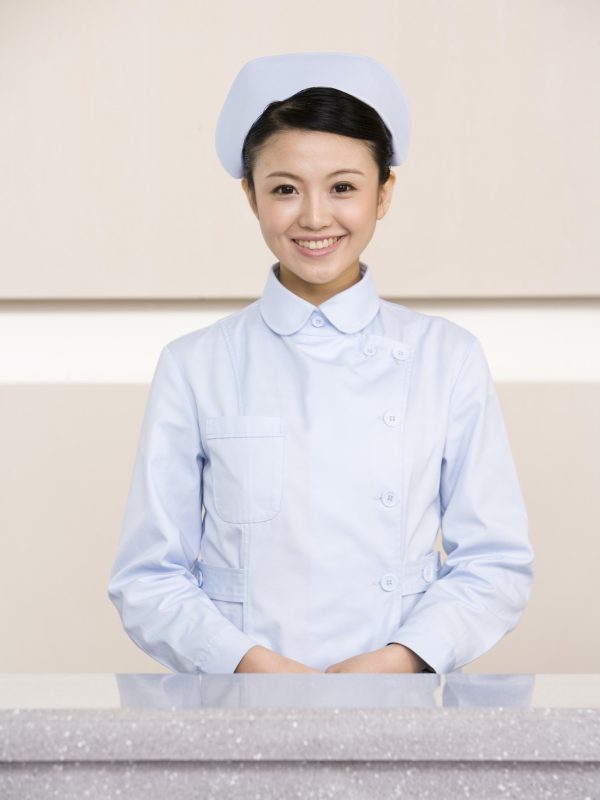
<point x="294" y="466"/>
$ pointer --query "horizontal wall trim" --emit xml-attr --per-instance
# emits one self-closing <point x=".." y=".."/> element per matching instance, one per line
<point x="119" y="342"/>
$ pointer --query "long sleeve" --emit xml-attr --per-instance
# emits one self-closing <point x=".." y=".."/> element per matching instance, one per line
<point x="486" y="579"/>
<point x="152" y="585"/>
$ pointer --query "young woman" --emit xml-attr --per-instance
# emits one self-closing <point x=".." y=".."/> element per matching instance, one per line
<point x="298" y="457"/>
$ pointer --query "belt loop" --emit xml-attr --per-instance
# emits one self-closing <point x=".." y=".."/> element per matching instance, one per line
<point x="222" y="583"/>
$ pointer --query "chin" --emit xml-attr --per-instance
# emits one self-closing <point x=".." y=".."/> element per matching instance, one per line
<point x="320" y="266"/>
<point x="318" y="274"/>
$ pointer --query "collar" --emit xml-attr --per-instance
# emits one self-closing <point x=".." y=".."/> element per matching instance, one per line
<point x="349" y="310"/>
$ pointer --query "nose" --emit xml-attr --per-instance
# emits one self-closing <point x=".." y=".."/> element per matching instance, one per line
<point x="315" y="212"/>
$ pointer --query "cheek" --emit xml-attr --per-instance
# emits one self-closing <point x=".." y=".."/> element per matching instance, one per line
<point x="276" y="219"/>
<point x="360" y="215"/>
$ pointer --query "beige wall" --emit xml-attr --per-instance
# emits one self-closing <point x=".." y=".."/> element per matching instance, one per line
<point x="110" y="188"/>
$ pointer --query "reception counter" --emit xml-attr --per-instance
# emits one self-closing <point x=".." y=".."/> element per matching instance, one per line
<point x="299" y="736"/>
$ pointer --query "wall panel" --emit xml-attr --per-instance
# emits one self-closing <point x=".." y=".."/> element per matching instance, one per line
<point x="110" y="186"/>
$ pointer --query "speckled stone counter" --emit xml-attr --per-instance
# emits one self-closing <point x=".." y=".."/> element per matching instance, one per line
<point x="299" y="736"/>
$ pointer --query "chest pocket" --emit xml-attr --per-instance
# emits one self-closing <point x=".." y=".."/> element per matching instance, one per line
<point x="247" y="455"/>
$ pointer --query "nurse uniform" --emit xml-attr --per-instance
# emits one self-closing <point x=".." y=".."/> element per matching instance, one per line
<point x="294" y="467"/>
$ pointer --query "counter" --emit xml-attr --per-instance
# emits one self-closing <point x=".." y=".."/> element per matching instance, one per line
<point x="287" y="736"/>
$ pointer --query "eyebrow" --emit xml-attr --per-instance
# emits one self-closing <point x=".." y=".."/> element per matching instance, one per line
<point x="298" y="178"/>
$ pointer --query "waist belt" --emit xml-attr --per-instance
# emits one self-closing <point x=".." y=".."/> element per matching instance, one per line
<point x="230" y="583"/>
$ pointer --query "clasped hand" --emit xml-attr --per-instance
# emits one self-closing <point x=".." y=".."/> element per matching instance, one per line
<point x="391" y="658"/>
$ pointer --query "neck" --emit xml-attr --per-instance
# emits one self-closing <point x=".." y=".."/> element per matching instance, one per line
<point x="317" y="293"/>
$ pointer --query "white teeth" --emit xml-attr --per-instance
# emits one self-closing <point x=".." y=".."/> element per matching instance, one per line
<point x="317" y="245"/>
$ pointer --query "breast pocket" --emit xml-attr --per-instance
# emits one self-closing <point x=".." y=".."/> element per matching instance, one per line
<point x="247" y="455"/>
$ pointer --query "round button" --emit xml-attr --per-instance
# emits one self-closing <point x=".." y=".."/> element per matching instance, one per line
<point x="317" y="321"/>
<point x="391" y="418"/>
<point x="200" y="579"/>
<point x="388" y="582"/>
<point x="428" y="573"/>
<point x="369" y="349"/>
<point x="400" y="353"/>
<point x="389" y="498"/>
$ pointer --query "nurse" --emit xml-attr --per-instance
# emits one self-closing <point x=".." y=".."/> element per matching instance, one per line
<point x="298" y="457"/>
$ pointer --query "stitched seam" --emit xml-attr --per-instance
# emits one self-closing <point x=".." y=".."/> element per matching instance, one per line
<point x="190" y="394"/>
<point x="450" y="399"/>
<point x="458" y="374"/>
<point x="229" y="346"/>
<point x="242" y="435"/>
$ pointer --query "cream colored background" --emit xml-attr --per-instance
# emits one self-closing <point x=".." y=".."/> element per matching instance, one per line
<point x="111" y="192"/>
<point x="111" y="186"/>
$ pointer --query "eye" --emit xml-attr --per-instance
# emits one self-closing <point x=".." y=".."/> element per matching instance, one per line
<point x="344" y="191"/>
<point x="283" y="186"/>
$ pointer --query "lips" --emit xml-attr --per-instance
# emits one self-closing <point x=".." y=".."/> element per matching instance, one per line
<point x="317" y="244"/>
<point x="318" y="247"/>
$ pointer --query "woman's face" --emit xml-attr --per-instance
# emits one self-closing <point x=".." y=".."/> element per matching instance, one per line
<point x="312" y="187"/>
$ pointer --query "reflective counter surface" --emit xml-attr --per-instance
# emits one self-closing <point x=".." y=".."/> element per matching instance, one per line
<point x="278" y="736"/>
<point x="185" y="691"/>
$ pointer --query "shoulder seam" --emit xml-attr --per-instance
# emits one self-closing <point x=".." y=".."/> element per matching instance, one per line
<point x="469" y="350"/>
<point x="229" y="346"/>
<point x="189" y="394"/>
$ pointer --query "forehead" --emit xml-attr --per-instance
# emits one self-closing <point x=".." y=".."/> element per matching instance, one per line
<point x="312" y="150"/>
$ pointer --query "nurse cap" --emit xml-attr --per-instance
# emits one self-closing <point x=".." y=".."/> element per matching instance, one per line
<point x="264" y="80"/>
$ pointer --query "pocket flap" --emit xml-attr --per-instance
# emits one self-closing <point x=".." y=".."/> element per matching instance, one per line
<point x="218" y="427"/>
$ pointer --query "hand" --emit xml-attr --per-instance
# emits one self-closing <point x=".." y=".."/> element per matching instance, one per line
<point x="261" y="659"/>
<point x="391" y="658"/>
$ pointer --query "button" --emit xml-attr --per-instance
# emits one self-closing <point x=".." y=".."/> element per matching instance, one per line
<point x="369" y="349"/>
<point x="428" y="573"/>
<point x="388" y="582"/>
<point x="389" y="498"/>
<point x="391" y="418"/>
<point x="317" y="321"/>
<point x="200" y="579"/>
<point x="399" y="352"/>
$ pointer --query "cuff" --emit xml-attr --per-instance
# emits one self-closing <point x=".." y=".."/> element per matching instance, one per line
<point x="437" y="652"/>
<point x="225" y="651"/>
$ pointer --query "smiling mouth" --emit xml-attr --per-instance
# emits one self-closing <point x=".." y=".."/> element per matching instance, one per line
<point x="317" y="244"/>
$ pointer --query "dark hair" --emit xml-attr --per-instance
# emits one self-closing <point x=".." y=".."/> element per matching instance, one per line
<point x="320" y="108"/>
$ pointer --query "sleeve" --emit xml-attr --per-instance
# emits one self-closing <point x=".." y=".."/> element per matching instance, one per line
<point x="486" y="579"/>
<point x="162" y="607"/>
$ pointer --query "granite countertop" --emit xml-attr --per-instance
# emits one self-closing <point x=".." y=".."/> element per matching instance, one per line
<point x="330" y="717"/>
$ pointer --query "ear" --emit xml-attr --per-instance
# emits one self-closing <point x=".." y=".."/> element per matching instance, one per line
<point x="250" y="196"/>
<point x="385" y="195"/>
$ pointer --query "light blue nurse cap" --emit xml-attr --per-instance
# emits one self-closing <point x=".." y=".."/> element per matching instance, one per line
<point x="263" y="80"/>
